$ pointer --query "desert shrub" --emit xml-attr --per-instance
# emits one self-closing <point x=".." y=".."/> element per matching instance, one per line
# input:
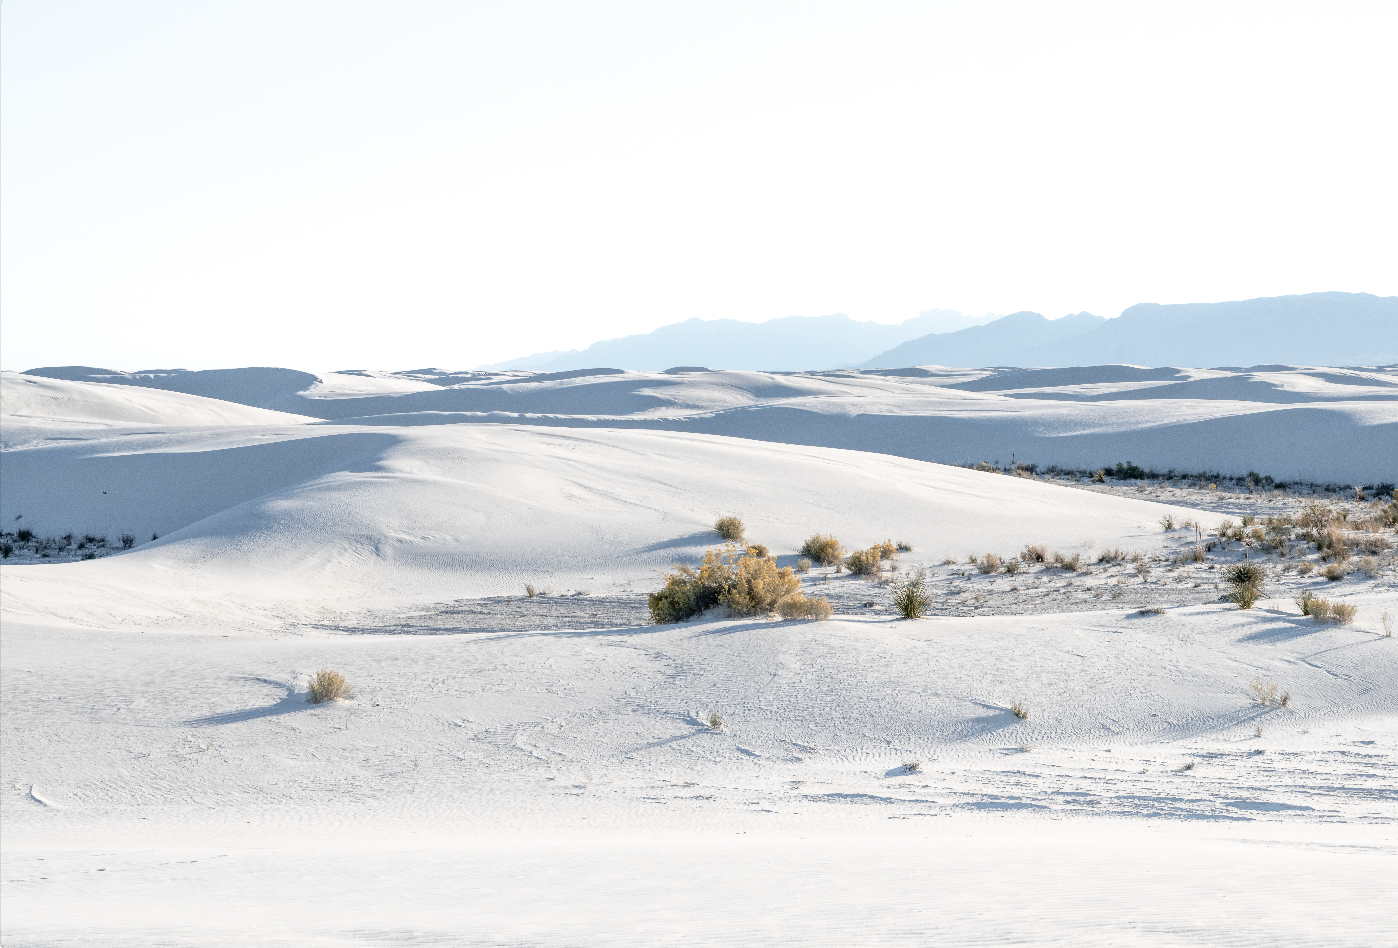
<point x="1150" y="611"/>
<point x="1245" y="596"/>
<point x="797" y="606"/>
<point x="1246" y="574"/>
<point x="1305" y="601"/>
<point x="1034" y="553"/>
<point x="1342" y="612"/>
<point x="1305" y="568"/>
<point x="803" y="565"/>
<point x="1386" y="621"/>
<point x="910" y="597"/>
<point x="24" y="534"/>
<point x="745" y="583"/>
<point x="1063" y="561"/>
<point x="1334" y="572"/>
<point x="1112" y="556"/>
<point x="6" y="550"/>
<point x="757" y="549"/>
<point x="990" y="563"/>
<point x="1019" y="711"/>
<point x="912" y="766"/>
<point x="1167" y="522"/>
<point x="904" y="547"/>
<point x="327" y="685"/>
<point x="730" y="528"/>
<point x="1268" y="694"/>
<point x="824" y="549"/>
<point x="1143" y="570"/>
<point x="127" y="541"/>
<point x="1369" y="567"/>
<point x="864" y="562"/>
<point x="1099" y="477"/>
<point x="1011" y="565"/>
<point x="987" y="467"/>
<point x="1372" y="543"/>
<point x="714" y="720"/>
<point x="886" y="550"/>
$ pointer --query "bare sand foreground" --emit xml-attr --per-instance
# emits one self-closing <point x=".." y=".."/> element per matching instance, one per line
<point x="547" y="771"/>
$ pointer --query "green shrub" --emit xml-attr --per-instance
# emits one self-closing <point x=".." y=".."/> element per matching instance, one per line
<point x="911" y="597"/>
<point x="730" y="528"/>
<point x="1246" y="574"/>
<point x="1245" y="596"/>
<point x="824" y="549"/>
<point x="746" y="583"/>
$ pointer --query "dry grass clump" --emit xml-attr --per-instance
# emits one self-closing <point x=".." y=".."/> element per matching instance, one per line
<point x="1369" y="566"/>
<point x="1386" y="621"/>
<point x="1325" y="609"/>
<point x="911" y="597"/>
<point x="824" y="549"/>
<point x="1305" y="568"/>
<point x="1019" y="711"/>
<point x="1034" y="553"/>
<point x="1071" y="563"/>
<point x="1112" y="556"/>
<point x="797" y="606"/>
<point x="904" y="547"/>
<point x="730" y="528"/>
<point x="1011" y="565"/>
<point x="327" y="685"/>
<point x="1167" y="522"/>
<point x="912" y="766"/>
<point x="803" y="565"/>
<point x="990" y="563"/>
<point x="1334" y="572"/>
<point x="744" y="582"/>
<point x="1268" y="694"/>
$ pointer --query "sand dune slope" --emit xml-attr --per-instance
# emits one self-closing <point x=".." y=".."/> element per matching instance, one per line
<point x="332" y="515"/>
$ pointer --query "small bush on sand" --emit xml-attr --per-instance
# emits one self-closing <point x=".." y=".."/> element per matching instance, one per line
<point x="730" y="528"/>
<point x="1034" y="553"/>
<point x="904" y="547"/>
<point x="864" y="562"/>
<point x="1334" y="572"/>
<point x="6" y="550"/>
<point x="1386" y="621"/>
<point x="327" y="685"/>
<point x="1245" y="596"/>
<point x="912" y="766"/>
<point x="757" y="549"/>
<point x="1342" y="612"/>
<point x="1117" y="555"/>
<point x="1011" y="565"/>
<point x="990" y="563"/>
<point x="1305" y="568"/>
<point x="803" y="565"/>
<point x="1306" y="602"/>
<point x="910" y="597"/>
<point x="824" y="549"/>
<point x="1143" y="570"/>
<point x="1167" y="523"/>
<point x="1099" y="477"/>
<point x="1019" y="711"/>
<point x="127" y="541"/>
<point x="745" y="583"/>
<point x="797" y="606"/>
<point x="714" y="721"/>
<point x="1369" y="567"/>
<point x="1268" y="694"/>
<point x="1071" y="563"/>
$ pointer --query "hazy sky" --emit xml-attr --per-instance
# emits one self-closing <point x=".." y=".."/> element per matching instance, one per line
<point x="341" y="184"/>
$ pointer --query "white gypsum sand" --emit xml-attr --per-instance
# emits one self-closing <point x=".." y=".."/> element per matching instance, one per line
<point x="557" y="780"/>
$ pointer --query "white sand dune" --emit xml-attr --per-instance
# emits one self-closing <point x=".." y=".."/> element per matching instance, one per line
<point x="1293" y="423"/>
<point x="165" y="782"/>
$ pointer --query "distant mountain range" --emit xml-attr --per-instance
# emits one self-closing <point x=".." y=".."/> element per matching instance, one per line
<point x="1312" y="329"/>
<point x="792" y="344"/>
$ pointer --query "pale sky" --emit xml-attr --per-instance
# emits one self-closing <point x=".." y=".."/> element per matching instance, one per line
<point x="355" y="185"/>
